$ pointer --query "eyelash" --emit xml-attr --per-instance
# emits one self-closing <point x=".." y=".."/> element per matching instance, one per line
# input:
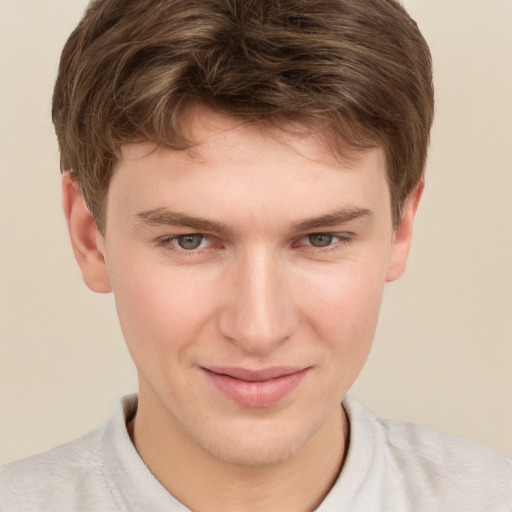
<point x="168" y="244"/>
<point x="340" y="240"/>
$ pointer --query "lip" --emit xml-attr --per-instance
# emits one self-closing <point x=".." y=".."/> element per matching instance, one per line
<point x="256" y="388"/>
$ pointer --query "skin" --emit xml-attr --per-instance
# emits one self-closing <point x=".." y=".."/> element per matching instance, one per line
<point x="256" y="293"/>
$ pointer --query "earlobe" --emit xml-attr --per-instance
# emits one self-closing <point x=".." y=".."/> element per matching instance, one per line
<point x="87" y="242"/>
<point x="403" y="236"/>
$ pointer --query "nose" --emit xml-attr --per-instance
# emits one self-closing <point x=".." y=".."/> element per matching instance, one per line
<point x="259" y="313"/>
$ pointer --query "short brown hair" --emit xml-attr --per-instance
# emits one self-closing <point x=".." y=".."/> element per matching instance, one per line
<point x="132" y="67"/>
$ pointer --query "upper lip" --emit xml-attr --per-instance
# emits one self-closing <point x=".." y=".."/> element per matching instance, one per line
<point x="256" y="375"/>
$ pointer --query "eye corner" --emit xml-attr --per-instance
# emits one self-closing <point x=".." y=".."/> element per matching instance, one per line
<point x="328" y="241"/>
<point x="188" y="244"/>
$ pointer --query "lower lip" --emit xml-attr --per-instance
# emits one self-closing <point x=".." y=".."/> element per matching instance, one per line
<point x="259" y="393"/>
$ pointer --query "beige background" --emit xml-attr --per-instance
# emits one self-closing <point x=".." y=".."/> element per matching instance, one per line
<point x="443" y="354"/>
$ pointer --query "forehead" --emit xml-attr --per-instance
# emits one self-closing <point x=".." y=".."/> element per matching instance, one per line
<point x="205" y="129"/>
<point x="231" y="167"/>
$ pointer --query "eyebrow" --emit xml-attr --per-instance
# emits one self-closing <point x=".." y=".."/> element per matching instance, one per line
<point x="162" y="216"/>
<point x="332" y="219"/>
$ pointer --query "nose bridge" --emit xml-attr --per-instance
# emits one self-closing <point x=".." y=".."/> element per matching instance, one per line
<point x="259" y="313"/>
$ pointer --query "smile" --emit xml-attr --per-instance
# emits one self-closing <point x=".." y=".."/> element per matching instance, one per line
<point x="261" y="388"/>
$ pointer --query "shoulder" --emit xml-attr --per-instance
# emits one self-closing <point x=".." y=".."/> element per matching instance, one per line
<point x="81" y="453"/>
<point x="75" y="477"/>
<point x="425" y="469"/>
<point x="460" y="462"/>
<point x="56" y="480"/>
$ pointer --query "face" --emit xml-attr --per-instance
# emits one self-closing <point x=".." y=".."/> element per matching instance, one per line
<point x="248" y="274"/>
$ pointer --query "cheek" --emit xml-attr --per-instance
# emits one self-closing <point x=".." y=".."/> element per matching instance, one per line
<point x="161" y="309"/>
<point x="346" y="297"/>
<point x="341" y="306"/>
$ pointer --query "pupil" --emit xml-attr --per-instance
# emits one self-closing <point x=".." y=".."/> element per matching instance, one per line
<point x="190" y="242"/>
<point x="320" y="240"/>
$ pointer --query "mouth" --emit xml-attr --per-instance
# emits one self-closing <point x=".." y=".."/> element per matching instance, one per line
<point x="256" y="388"/>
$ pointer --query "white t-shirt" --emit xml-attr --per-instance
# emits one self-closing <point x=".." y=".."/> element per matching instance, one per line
<point x="390" y="466"/>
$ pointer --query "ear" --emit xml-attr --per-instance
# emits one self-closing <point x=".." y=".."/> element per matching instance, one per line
<point x="403" y="236"/>
<point x="88" y="243"/>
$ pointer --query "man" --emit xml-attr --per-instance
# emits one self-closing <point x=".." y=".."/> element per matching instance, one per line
<point x="244" y="177"/>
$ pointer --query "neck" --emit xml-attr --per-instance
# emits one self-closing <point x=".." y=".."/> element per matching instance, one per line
<point x="201" y="481"/>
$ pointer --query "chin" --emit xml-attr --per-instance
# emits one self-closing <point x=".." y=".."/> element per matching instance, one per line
<point x="256" y="445"/>
<point x="250" y="454"/>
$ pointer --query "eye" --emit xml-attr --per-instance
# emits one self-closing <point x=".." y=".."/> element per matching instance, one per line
<point x="324" y="241"/>
<point x="190" y="242"/>
<point x="321" y="239"/>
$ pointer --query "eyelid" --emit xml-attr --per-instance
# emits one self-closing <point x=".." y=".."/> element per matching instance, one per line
<point x="344" y="235"/>
<point x="168" y="243"/>
<point x="340" y="239"/>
